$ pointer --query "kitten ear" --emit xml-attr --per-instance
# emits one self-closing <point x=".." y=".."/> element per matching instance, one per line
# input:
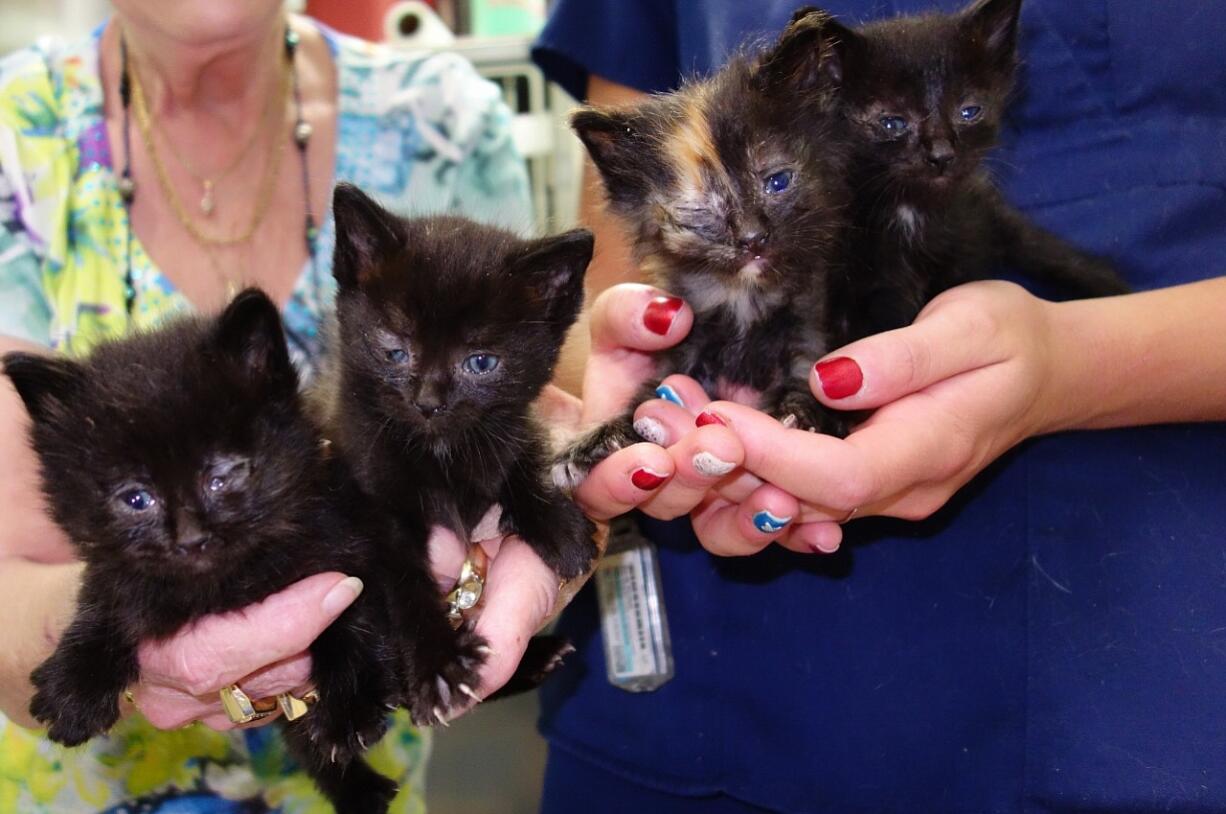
<point x="249" y="333"/>
<point x="613" y="142"/>
<point x="44" y="383"/>
<point x="994" y="24"/>
<point x="365" y="231"/>
<point x="810" y="55"/>
<point x="556" y="265"/>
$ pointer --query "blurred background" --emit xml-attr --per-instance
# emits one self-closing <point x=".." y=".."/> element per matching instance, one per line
<point x="490" y="762"/>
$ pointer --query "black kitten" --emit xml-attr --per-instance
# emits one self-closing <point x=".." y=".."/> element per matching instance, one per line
<point x="182" y="465"/>
<point x="448" y="330"/>
<point x="921" y="99"/>
<point x="734" y="197"/>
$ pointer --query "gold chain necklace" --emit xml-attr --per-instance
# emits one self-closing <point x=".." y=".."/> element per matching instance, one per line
<point x="207" y="202"/>
<point x="267" y="183"/>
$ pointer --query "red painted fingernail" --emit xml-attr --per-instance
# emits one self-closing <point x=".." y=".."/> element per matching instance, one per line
<point x="705" y="418"/>
<point x="660" y="314"/>
<point x="840" y="377"/>
<point x="647" y="480"/>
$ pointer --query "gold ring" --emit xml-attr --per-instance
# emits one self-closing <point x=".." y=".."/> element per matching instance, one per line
<point x="129" y="697"/>
<point x="293" y="707"/>
<point x="851" y="514"/>
<point x="239" y="707"/>
<point x="469" y="587"/>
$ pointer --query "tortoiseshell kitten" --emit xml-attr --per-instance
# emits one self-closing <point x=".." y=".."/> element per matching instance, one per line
<point x="181" y="464"/>
<point x="734" y="196"/>
<point x="922" y="99"/>
<point x="448" y="331"/>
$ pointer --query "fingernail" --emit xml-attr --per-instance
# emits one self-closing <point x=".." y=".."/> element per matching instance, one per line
<point x="768" y="523"/>
<point x="710" y="466"/>
<point x="667" y="393"/>
<point x="651" y="430"/>
<point x="341" y="596"/>
<point x="646" y="479"/>
<point x="705" y="418"/>
<point x="660" y="314"/>
<point x="839" y="377"/>
<point x="817" y="549"/>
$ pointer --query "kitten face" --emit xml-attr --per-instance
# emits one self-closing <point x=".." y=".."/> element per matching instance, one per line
<point x="175" y="450"/>
<point x="924" y="96"/>
<point x="447" y="324"/>
<point x="719" y="181"/>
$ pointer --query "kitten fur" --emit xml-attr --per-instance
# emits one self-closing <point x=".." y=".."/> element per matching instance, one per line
<point x="182" y="466"/>
<point x="734" y="198"/>
<point x="448" y="330"/>
<point x="921" y="99"/>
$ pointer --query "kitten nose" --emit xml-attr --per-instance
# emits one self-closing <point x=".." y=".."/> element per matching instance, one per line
<point x="941" y="155"/>
<point x="429" y="407"/>
<point x="754" y="242"/>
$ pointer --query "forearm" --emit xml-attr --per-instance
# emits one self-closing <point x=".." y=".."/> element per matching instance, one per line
<point x="1147" y="358"/>
<point x="39" y="601"/>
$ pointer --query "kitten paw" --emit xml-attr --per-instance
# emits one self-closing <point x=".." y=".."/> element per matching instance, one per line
<point x="437" y="694"/>
<point x="341" y="728"/>
<point x="581" y="457"/>
<point x="73" y="714"/>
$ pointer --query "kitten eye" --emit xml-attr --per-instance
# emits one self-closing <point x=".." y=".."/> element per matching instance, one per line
<point x="970" y="113"/>
<point x="480" y="364"/>
<point x="138" y="500"/>
<point x="778" y="182"/>
<point x="397" y="356"/>
<point x="226" y="473"/>
<point x="894" y="125"/>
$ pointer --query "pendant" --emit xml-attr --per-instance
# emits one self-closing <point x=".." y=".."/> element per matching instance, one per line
<point x="206" y="201"/>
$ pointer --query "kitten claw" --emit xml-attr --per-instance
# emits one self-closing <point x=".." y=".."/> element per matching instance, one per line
<point x="362" y="742"/>
<point x="467" y="690"/>
<point x="789" y="421"/>
<point x="333" y="754"/>
<point x="484" y="650"/>
<point x="442" y="719"/>
<point x="567" y="476"/>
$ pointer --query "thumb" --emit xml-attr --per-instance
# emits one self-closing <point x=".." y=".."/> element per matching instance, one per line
<point x="947" y="339"/>
<point x="521" y="591"/>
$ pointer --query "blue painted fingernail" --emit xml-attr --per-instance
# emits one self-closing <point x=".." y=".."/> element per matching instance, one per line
<point x="768" y="523"/>
<point x="669" y="394"/>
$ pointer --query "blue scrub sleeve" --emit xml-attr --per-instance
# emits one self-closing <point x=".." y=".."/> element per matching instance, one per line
<point x="631" y="42"/>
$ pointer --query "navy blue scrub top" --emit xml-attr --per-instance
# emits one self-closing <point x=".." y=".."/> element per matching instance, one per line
<point x="1055" y="639"/>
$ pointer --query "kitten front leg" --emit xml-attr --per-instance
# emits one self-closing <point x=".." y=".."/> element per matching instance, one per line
<point x="77" y="688"/>
<point x="548" y="521"/>
<point x="353" y="672"/>
<point x="574" y="464"/>
<point x="438" y="664"/>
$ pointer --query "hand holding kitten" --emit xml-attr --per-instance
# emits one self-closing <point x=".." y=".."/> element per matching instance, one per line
<point x="262" y="647"/>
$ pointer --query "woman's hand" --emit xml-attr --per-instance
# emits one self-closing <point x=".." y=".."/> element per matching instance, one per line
<point x="262" y="648"/>
<point x="952" y="392"/>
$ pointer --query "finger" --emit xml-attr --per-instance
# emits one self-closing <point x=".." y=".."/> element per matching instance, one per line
<point x="520" y="591"/>
<point x="952" y="338"/>
<point x="701" y="459"/>
<point x="628" y="323"/>
<point x="815" y="538"/>
<point x="169" y="708"/>
<point x="447" y="555"/>
<point x="624" y="480"/>
<point x="829" y="473"/>
<point x="222" y="648"/>
<point x="737" y="530"/>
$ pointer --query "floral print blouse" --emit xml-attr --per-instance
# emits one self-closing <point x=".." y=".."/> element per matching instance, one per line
<point x="422" y="132"/>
